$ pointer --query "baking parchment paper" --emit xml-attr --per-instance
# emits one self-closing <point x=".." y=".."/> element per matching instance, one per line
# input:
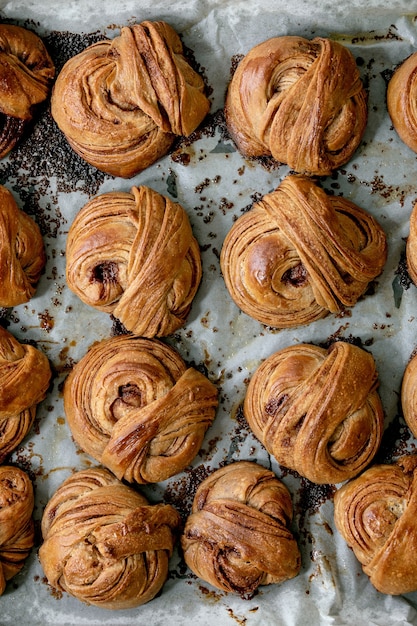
<point x="214" y="183"/>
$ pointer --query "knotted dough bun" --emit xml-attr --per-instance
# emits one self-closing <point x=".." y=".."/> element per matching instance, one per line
<point x="134" y="406"/>
<point x="300" y="101"/>
<point x="120" y="103"/>
<point x="317" y="411"/>
<point x="104" y="543"/>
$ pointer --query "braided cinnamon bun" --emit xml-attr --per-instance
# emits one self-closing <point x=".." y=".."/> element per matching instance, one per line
<point x="19" y="363"/>
<point x="134" y="255"/>
<point x="26" y="74"/>
<point x="120" y="103"/>
<point x="17" y="535"/>
<point x="376" y="514"/>
<point x="237" y="536"/>
<point x="104" y="544"/>
<point x="317" y="411"/>
<point x="134" y="406"/>
<point x="301" y="102"/>
<point x="22" y="252"/>
<point x="299" y="254"/>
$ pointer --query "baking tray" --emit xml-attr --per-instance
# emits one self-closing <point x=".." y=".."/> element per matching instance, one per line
<point x="215" y="184"/>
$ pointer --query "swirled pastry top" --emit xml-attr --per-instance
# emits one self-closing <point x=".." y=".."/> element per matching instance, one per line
<point x="121" y="102"/>
<point x="19" y="363"/>
<point x="133" y="405"/>
<point x="376" y="514"/>
<point x="22" y="252"/>
<point x="17" y="535"/>
<point x="26" y="74"/>
<point x="317" y="411"/>
<point x="402" y="101"/>
<point x="300" y="101"/>
<point x="103" y="543"/>
<point x="301" y="253"/>
<point x="134" y="255"/>
<point x="237" y="536"/>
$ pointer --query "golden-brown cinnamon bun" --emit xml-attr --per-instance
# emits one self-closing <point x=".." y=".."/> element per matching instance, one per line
<point x="238" y="535"/>
<point x="22" y="252"/>
<point x="104" y="543"/>
<point x="134" y="255"/>
<point x="17" y="536"/>
<point x="19" y="363"/>
<point x="300" y="101"/>
<point x="120" y="103"/>
<point x="26" y="74"/>
<point x="317" y="411"/>
<point x="134" y="406"/>
<point x="376" y="514"/>
<point x="402" y="101"/>
<point x="411" y="246"/>
<point x="409" y="394"/>
<point x="300" y="253"/>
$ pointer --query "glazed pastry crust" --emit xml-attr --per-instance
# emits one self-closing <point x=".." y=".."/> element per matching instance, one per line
<point x="16" y="522"/>
<point x="237" y="536"/>
<point x="402" y="99"/>
<point x="376" y="514"/>
<point x="134" y="255"/>
<point x="104" y="544"/>
<point x="26" y="74"/>
<point x="134" y="406"/>
<point x="120" y="103"/>
<point x="18" y="400"/>
<point x="22" y="252"/>
<point x="300" y="101"/>
<point x="299" y="254"/>
<point x="317" y="411"/>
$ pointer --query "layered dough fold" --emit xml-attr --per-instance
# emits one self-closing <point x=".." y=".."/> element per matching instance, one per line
<point x="300" y="253"/>
<point x="317" y="411"/>
<point x="26" y="74"/>
<point x="300" y="101"/>
<point x="134" y="255"/>
<point x="133" y="405"/>
<point x="104" y="543"/>
<point x="238" y="535"/>
<point x="19" y="363"/>
<point x="17" y="535"/>
<point x="376" y="514"/>
<point x="22" y="252"/>
<point x="120" y="103"/>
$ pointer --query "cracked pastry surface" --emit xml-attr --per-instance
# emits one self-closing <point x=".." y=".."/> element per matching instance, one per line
<point x="299" y="254"/>
<point x="121" y="102"/>
<point x="376" y="514"/>
<point x="134" y="255"/>
<point x="18" y="400"/>
<point x="26" y="74"/>
<point x="22" y="252"/>
<point x="402" y="99"/>
<point x="104" y="543"/>
<point x="300" y="101"/>
<point x="17" y="535"/>
<point x="238" y="535"/>
<point x="134" y="406"/>
<point x="317" y="411"/>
